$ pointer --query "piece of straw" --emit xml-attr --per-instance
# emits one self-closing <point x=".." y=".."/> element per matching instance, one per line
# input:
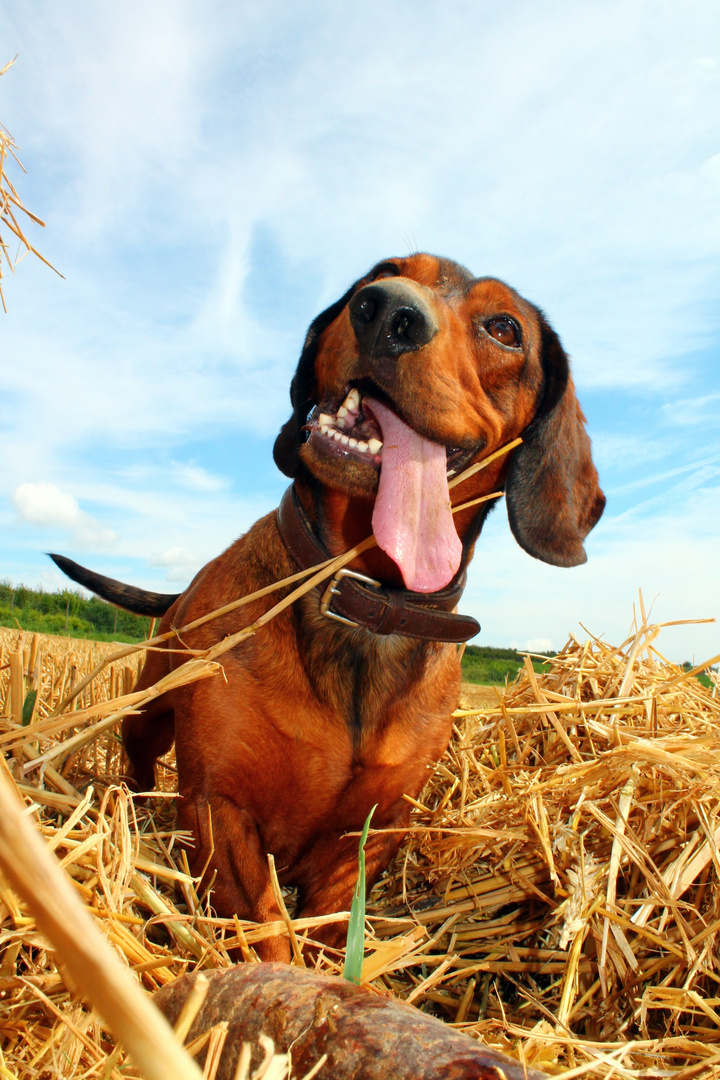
<point x="94" y="967"/>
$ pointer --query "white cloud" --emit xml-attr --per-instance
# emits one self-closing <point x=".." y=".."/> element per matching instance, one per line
<point x="183" y="475"/>
<point x="696" y="473"/>
<point x="199" y="479"/>
<point x="47" y="507"/>
<point x="693" y="412"/>
<point x="537" y="645"/>
<point x="180" y="565"/>
<point x="613" y="449"/>
<point x="160" y="525"/>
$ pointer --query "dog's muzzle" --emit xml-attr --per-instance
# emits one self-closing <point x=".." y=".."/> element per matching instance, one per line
<point x="392" y="317"/>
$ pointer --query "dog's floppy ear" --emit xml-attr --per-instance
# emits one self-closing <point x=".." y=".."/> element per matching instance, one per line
<point x="303" y="391"/>
<point x="553" y="495"/>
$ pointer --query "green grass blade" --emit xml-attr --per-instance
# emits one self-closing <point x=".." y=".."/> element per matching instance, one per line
<point x="355" y="947"/>
<point x="28" y="707"/>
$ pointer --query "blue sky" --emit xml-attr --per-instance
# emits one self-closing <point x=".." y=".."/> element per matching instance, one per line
<point x="214" y="174"/>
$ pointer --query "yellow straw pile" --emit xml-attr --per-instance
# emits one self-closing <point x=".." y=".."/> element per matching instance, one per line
<point x="558" y="895"/>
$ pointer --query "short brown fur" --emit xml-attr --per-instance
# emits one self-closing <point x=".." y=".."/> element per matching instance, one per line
<point x="315" y="722"/>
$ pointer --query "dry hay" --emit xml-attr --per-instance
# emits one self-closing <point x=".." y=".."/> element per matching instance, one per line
<point x="559" y="895"/>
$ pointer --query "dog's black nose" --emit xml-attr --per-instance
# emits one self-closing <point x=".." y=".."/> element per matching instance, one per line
<point x="392" y="317"/>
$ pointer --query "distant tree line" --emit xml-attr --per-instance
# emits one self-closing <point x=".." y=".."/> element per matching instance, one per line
<point x="68" y="614"/>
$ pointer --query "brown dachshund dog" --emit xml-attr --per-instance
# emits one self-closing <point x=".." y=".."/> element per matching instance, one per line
<point x="345" y="700"/>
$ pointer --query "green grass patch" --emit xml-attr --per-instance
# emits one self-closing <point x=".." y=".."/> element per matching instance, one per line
<point x="68" y="614"/>
<point x="355" y="946"/>
<point x="703" y="679"/>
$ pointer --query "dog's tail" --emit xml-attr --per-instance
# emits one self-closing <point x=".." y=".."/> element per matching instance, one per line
<point x="127" y="597"/>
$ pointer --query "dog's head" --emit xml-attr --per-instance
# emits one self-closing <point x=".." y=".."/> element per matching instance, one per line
<point x="419" y="355"/>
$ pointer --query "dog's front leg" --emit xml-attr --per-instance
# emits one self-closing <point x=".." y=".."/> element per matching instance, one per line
<point x="230" y="855"/>
<point x="329" y="873"/>
<point x="147" y="736"/>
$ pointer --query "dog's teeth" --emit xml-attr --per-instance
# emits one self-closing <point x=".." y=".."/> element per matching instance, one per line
<point x="352" y="442"/>
<point x="344" y="440"/>
<point x="324" y="420"/>
<point x="374" y="446"/>
<point x="324" y="429"/>
<point x="362" y="446"/>
<point x="342" y="412"/>
<point x="351" y="404"/>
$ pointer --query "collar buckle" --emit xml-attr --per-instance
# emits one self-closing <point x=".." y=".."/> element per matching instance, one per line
<point x="333" y="589"/>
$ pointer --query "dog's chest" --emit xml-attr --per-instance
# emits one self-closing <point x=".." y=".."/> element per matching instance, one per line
<point x="361" y="675"/>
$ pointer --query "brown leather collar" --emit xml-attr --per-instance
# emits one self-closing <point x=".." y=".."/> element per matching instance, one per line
<point x="359" y="601"/>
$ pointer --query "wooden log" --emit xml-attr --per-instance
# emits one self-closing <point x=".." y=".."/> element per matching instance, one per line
<point x="365" y="1036"/>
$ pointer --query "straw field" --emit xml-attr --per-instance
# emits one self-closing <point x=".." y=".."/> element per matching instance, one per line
<point x="558" y="895"/>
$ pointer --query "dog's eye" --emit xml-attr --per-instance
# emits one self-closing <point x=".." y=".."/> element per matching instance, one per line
<point x="504" y="330"/>
<point x="384" y="270"/>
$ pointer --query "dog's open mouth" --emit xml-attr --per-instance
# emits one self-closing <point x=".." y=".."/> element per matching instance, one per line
<point x="412" y="518"/>
<point x="357" y="434"/>
<point x="353" y="427"/>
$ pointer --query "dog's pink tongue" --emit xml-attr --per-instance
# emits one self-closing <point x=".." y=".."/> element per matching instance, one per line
<point x="412" y="521"/>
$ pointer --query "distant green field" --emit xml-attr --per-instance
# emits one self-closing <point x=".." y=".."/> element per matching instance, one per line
<point x="488" y="666"/>
<point x="492" y="667"/>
